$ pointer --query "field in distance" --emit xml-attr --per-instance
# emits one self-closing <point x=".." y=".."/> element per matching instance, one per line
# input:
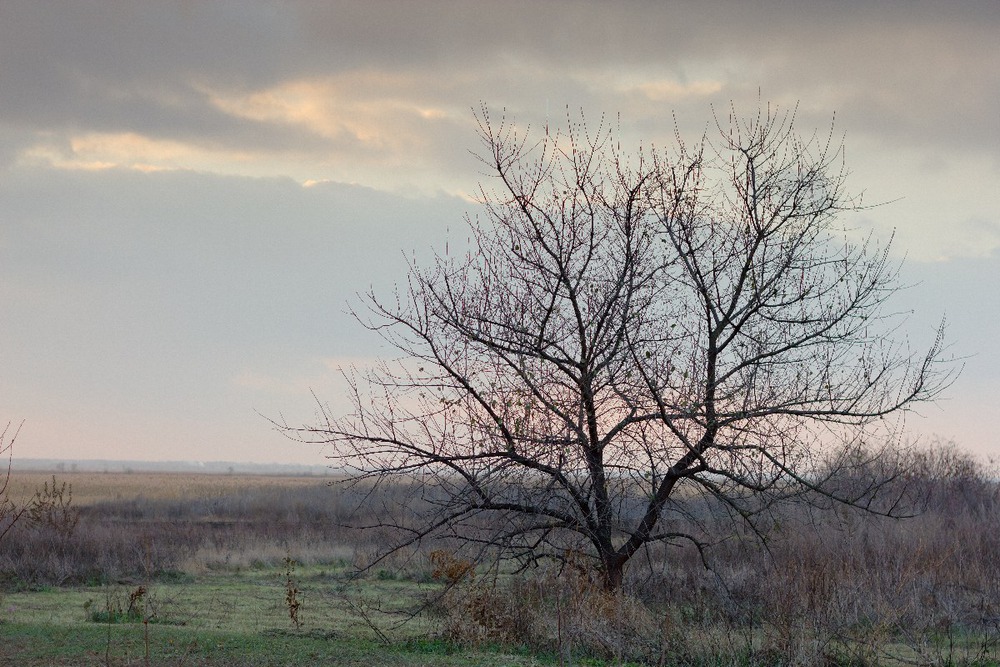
<point x="94" y="487"/>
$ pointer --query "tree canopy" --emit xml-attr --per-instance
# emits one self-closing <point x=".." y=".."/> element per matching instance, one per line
<point x="631" y="331"/>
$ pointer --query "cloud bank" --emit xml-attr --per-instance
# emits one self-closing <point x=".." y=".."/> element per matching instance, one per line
<point x="191" y="192"/>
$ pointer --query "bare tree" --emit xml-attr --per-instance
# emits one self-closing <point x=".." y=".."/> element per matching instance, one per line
<point x="10" y="511"/>
<point x="636" y="344"/>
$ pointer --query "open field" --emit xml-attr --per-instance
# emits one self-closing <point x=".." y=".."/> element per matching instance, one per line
<point x="193" y="570"/>
<point x="223" y="618"/>
<point x="233" y="609"/>
<point x="94" y="487"/>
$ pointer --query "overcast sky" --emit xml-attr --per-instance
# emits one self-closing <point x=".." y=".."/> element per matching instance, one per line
<point x="191" y="193"/>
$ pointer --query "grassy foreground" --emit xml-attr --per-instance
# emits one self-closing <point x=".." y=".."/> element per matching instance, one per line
<point x="207" y="551"/>
<point x="225" y="618"/>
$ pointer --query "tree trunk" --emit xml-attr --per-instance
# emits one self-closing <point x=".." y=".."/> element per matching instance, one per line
<point x="612" y="571"/>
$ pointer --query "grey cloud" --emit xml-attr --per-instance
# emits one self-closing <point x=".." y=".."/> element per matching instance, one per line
<point x="109" y="271"/>
<point x="133" y="301"/>
<point x="119" y="288"/>
<point x="922" y="73"/>
<point x="97" y="66"/>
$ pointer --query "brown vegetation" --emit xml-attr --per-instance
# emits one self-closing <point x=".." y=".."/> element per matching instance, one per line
<point x="841" y="587"/>
<point x="138" y="526"/>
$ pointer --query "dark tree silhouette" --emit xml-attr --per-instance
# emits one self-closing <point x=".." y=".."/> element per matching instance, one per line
<point x="10" y="511"/>
<point x="636" y="345"/>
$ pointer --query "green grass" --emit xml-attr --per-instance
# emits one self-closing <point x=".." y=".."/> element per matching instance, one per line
<point x="31" y="645"/>
<point x="231" y="618"/>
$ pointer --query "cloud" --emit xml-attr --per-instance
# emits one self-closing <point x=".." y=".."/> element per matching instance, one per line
<point x="939" y="208"/>
<point x="158" y="246"/>
<point x="387" y="85"/>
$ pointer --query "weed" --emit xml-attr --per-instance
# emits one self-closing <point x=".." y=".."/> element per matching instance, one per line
<point x="173" y="577"/>
<point x="292" y="602"/>
<point x="121" y="608"/>
<point x="10" y="512"/>
<point x="428" y="646"/>
<point x="52" y="509"/>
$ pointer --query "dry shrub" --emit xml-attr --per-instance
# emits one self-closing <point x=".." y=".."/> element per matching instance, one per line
<point x="610" y="625"/>
<point x="138" y="538"/>
<point x="94" y="554"/>
<point x="554" y="611"/>
<point x="477" y="613"/>
<point x="845" y="587"/>
<point x="482" y="613"/>
<point x="450" y="568"/>
<point x="52" y="510"/>
<point x="835" y="587"/>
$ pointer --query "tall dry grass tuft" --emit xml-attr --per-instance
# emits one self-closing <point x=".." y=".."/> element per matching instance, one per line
<point x="292" y="592"/>
<point x="561" y="611"/>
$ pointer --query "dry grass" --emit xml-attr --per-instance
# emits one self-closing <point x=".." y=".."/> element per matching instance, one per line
<point x="839" y="587"/>
<point x="836" y="587"/>
<point x="135" y="526"/>
<point x="90" y="488"/>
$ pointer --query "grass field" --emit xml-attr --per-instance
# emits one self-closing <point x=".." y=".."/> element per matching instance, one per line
<point x="94" y="487"/>
<point x="235" y="617"/>
<point x="217" y="613"/>
<point x="164" y="569"/>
